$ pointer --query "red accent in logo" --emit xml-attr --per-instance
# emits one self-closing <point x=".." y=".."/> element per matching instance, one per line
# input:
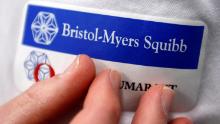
<point x="36" y="71"/>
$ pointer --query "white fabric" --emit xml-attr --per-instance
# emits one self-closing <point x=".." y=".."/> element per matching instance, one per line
<point x="207" y="111"/>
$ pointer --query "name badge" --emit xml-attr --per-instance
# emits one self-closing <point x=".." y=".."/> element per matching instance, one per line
<point x="146" y="50"/>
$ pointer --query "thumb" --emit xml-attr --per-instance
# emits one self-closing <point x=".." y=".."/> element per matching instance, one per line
<point x="49" y="98"/>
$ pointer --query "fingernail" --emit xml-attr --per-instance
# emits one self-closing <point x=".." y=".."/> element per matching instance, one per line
<point x="115" y="78"/>
<point x="74" y="64"/>
<point x="167" y="98"/>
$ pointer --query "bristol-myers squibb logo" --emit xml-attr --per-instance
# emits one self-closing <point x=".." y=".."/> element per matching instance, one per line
<point x="44" y="28"/>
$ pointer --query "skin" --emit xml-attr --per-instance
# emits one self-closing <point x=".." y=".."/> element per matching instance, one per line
<point x="92" y="98"/>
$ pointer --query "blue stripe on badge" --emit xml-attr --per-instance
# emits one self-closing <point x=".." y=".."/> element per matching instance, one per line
<point x="112" y="38"/>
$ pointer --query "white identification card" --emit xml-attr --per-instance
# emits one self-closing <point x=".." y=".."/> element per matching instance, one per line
<point x="146" y="50"/>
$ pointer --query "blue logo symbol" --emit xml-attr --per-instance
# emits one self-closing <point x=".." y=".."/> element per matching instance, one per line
<point x="44" y="28"/>
<point x="35" y="58"/>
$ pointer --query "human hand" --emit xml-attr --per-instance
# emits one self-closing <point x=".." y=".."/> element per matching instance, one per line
<point x="47" y="100"/>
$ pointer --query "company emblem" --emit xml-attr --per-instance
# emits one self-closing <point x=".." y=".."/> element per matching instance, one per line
<point x="34" y="59"/>
<point x="44" y="28"/>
